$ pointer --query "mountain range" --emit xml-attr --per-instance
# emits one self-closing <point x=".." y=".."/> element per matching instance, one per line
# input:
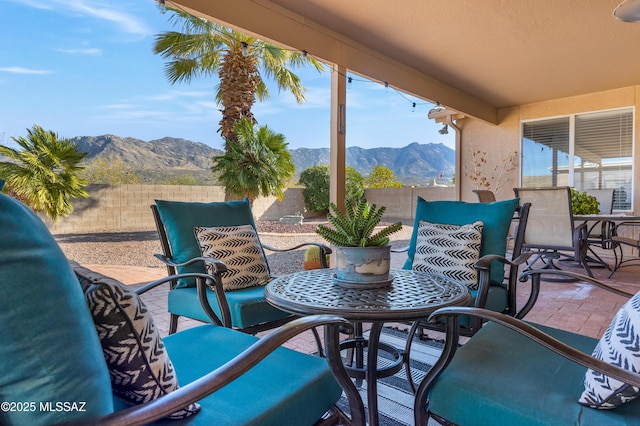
<point x="413" y="164"/>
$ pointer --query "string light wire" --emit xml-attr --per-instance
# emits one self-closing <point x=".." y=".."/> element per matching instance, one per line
<point x="305" y="53"/>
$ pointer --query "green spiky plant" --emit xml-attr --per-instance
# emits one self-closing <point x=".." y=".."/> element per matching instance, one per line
<point x="355" y="227"/>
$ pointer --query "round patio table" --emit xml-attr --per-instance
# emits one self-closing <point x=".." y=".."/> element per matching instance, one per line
<point x="411" y="296"/>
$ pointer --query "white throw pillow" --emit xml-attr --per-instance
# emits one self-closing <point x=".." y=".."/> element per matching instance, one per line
<point x="239" y="248"/>
<point x="139" y="365"/>
<point x="449" y="250"/>
<point x="619" y="346"/>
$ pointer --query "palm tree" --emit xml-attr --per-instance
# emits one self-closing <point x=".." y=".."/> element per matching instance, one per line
<point x="257" y="164"/>
<point x="45" y="173"/>
<point x="240" y="61"/>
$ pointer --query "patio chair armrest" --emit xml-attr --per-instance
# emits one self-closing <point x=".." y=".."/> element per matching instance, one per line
<point x="214" y="282"/>
<point x="536" y="274"/>
<point x="324" y="250"/>
<point x="626" y="241"/>
<point x="623" y="224"/>
<point x="202" y="281"/>
<point x="484" y="265"/>
<point x="240" y="364"/>
<point x="531" y="332"/>
<point x="218" y="265"/>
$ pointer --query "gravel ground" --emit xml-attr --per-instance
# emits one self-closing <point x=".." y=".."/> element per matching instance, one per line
<point x="138" y="248"/>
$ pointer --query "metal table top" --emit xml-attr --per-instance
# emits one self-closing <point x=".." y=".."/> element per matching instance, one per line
<point x="412" y="295"/>
<point x="605" y="217"/>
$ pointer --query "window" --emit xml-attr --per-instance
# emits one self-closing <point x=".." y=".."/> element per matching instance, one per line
<point x="586" y="151"/>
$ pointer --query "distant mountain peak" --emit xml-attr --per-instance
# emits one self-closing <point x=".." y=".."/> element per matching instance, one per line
<point x="414" y="162"/>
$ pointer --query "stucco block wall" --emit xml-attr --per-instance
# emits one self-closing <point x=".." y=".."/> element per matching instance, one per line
<point x="126" y="207"/>
<point x="400" y="203"/>
<point x="113" y="208"/>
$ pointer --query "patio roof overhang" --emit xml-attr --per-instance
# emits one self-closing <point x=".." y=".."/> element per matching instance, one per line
<point x="473" y="57"/>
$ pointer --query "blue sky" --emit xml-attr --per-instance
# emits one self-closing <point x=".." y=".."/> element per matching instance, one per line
<point x="86" y="68"/>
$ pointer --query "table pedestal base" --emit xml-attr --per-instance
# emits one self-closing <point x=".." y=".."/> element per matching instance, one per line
<point x="359" y="371"/>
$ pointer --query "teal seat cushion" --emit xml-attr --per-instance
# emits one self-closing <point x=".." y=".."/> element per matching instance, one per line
<point x="287" y="387"/>
<point x="49" y="348"/>
<point x="503" y="376"/>
<point x="496" y="217"/>
<point x="248" y="306"/>
<point x="180" y="218"/>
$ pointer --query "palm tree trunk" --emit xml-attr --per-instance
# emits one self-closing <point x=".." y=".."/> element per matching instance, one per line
<point x="239" y="80"/>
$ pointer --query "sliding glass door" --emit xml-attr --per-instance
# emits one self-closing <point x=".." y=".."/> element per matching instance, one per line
<point x="586" y="151"/>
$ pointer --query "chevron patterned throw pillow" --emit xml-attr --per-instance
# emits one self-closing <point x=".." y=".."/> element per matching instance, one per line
<point x="139" y="365"/>
<point x="620" y="346"/>
<point x="449" y="250"/>
<point x="239" y="248"/>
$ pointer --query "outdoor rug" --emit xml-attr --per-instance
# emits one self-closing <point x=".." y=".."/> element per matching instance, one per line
<point x="395" y="398"/>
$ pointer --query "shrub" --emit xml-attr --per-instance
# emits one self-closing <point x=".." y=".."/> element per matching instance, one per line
<point x="583" y="203"/>
<point x="315" y="180"/>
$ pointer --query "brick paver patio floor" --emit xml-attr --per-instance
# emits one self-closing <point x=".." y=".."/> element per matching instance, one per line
<point x="577" y="307"/>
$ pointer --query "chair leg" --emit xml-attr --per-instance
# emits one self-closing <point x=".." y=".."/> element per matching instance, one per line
<point x="586" y="267"/>
<point x="173" y="323"/>
<point x="620" y="261"/>
<point x="617" y="261"/>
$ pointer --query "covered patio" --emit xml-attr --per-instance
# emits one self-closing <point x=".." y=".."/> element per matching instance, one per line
<point x="493" y="65"/>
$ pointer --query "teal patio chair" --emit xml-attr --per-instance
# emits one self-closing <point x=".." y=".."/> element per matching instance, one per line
<point x="494" y="290"/>
<point x="244" y="309"/>
<point x="514" y="372"/>
<point x="81" y="348"/>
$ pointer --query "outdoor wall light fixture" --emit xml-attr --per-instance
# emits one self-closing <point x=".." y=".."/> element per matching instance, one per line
<point x="444" y="130"/>
<point x="436" y="109"/>
<point x="628" y="11"/>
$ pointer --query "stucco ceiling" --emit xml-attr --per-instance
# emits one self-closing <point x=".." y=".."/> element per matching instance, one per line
<point x="505" y="52"/>
<point x="501" y="53"/>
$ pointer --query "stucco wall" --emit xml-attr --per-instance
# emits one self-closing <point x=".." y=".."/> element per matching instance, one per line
<point x="498" y="142"/>
<point x="505" y="137"/>
<point x="126" y="207"/>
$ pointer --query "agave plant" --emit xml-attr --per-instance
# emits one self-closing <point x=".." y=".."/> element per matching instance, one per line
<point x="355" y="227"/>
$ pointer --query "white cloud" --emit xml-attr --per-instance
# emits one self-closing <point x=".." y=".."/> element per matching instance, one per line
<point x="315" y="97"/>
<point x="108" y="11"/>
<point x="20" y="70"/>
<point x="208" y="105"/>
<point x="46" y="5"/>
<point x="127" y="22"/>
<point x="175" y="94"/>
<point x="87" y="51"/>
<point x="118" y="106"/>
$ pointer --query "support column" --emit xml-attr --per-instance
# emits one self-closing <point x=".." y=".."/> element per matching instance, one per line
<point x="458" y="165"/>
<point x="338" y="122"/>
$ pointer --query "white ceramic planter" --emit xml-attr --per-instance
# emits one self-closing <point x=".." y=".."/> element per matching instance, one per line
<point x="363" y="267"/>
